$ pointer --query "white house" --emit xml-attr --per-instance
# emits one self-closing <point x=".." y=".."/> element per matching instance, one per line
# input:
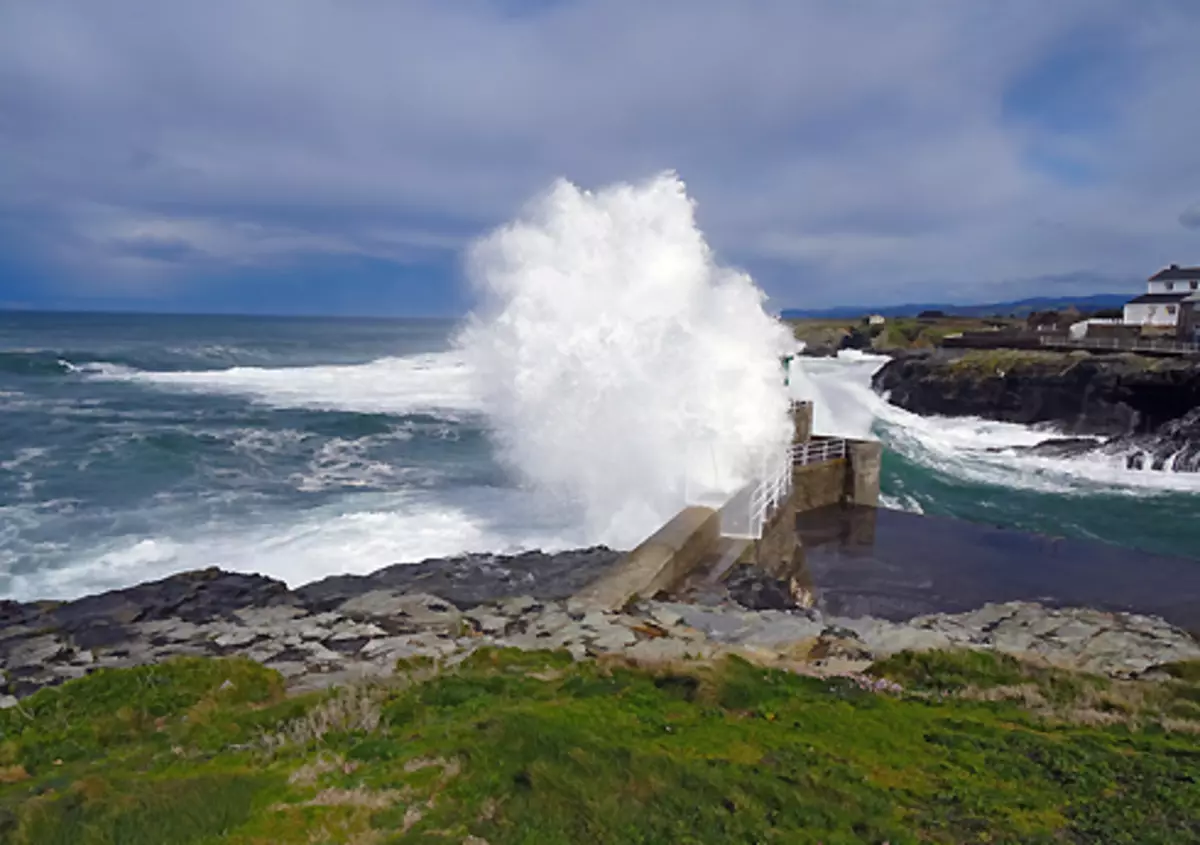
<point x="1163" y="302"/>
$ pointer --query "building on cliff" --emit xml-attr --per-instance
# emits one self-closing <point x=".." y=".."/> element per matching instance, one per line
<point x="1169" y="304"/>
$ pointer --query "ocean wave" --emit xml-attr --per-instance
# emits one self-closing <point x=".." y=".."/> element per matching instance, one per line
<point x="967" y="448"/>
<point x="380" y="530"/>
<point x="34" y="362"/>
<point x="437" y="383"/>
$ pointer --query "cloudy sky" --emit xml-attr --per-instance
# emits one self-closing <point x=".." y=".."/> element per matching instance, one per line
<point x="335" y="157"/>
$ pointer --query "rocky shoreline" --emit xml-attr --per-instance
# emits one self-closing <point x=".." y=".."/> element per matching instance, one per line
<point x="1145" y="411"/>
<point x="348" y="628"/>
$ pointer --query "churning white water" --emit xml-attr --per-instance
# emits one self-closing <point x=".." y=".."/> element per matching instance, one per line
<point x="618" y="363"/>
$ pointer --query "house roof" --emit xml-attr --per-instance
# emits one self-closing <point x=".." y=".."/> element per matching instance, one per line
<point x="1175" y="273"/>
<point x="1154" y="298"/>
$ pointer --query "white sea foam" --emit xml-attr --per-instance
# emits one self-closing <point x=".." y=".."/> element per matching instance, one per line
<point x="967" y="448"/>
<point x="380" y="529"/>
<point x="431" y="383"/>
<point x="618" y="364"/>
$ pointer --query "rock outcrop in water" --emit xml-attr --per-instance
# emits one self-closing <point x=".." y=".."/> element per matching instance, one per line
<point x="1146" y="410"/>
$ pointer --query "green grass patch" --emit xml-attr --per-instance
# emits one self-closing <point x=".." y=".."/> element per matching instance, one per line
<point x="516" y="747"/>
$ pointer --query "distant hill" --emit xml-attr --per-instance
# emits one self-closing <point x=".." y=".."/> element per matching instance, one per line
<point x="1019" y="307"/>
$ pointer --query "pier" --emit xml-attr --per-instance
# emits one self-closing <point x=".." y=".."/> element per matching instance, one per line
<point x="757" y="524"/>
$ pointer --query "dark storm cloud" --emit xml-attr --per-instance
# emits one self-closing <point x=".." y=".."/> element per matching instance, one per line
<point x="873" y="150"/>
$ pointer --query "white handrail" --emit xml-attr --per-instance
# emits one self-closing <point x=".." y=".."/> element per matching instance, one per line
<point x="818" y="451"/>
<point x="759" y="500"/>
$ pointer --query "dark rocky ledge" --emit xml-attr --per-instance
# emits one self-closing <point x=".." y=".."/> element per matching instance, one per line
<point x="348" y="628"/>
<point x="1144" y="410"/>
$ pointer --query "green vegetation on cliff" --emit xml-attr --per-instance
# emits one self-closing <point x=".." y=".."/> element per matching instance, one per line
<point x="896" y="333"/>
<point x="517" y="747"/>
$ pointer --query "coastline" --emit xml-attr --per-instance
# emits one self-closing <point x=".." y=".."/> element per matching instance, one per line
<point x="348" y="628"/>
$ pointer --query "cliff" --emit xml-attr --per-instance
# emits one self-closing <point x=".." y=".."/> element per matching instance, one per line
<point x="1081" y="393"/>
<point x="1147" y="408"/>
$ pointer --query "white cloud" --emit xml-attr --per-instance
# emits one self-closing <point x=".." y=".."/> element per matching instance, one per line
<point x="842" y="151"/>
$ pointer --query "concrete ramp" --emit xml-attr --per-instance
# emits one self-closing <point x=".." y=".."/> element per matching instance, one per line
<point x="660" y="563"/>
<point x="735" y="513"/>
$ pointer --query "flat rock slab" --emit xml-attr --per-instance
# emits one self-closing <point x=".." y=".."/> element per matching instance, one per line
<point x="364" y="636"/>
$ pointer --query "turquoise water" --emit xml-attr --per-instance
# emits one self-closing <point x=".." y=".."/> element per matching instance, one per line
<point x="968" y="468"/>
<point x="136" y="446"/>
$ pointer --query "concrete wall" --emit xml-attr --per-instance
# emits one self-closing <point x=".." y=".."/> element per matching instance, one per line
<point x="777" y="545"/>
<point x="1174" y="286"/>
<point x="817" y="485"/>
<point x="1161" y="314"/>
<point x="661" y="562"/>
<point x="1189" y="323"/>
<point x="802" y="420"/>
<point x="866" y="457"/>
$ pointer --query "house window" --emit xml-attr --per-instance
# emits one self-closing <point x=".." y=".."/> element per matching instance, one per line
<point x="1170" y="286"/>
<point x="1194" y="284"/>
<point x="1170" y="309"/>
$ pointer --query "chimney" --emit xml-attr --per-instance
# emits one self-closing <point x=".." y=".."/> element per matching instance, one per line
<point x="1173" y="267"/>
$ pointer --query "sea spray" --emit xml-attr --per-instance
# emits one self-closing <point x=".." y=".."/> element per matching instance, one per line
<point x="620" y="366"/>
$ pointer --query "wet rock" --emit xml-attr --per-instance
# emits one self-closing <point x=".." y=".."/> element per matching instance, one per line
<point x="470" y="580"/>
<point x="1109" y="395"/>
<point x="754" y="589"/>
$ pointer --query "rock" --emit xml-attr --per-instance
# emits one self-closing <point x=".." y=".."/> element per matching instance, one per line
<point x="388" y="649"/>
<point x="754" y="589"/>
<point x="1174" y="446"/>
<point x="612" y="638"/>
<point x="518" y="605"/>
<point x="1082" y="394"/>
<point x="666" y="651"/>
<point x="36" y="651"/>
<point x="403" y="611"/>
<point x="268" y="617"/>
<point x="488" y="623"/>
<point x="289" y="668"/>
<point x="166" y="630"/>
<point x="471" y="580"/>
<point x="664" y="616"/>
<point x="7" y="701"/>
<point x="235" y="638"/>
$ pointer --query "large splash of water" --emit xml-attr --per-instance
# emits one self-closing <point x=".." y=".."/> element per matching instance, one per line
<point x="619" y="364"/>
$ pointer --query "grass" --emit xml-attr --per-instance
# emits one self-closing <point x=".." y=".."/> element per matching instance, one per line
<point x="515" y="747"/>
<point x="895" y="333"/>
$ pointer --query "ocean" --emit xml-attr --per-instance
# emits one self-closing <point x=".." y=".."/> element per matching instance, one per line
<point x="611" y="370"/>
<point x="134" y="446"/>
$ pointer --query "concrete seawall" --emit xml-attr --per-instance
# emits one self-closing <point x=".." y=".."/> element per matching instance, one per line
<point x="692" y="541"/>
<point x="661" y="561"/>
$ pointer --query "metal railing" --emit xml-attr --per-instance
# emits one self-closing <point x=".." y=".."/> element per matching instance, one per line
<point x="818" y="451"/>
<point x="1124" y="345"/>
<point x="751" y="508"/>
<point x="757" y="502"/>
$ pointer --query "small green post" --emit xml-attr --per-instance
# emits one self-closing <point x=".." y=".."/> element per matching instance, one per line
<point x="786" y="360"/>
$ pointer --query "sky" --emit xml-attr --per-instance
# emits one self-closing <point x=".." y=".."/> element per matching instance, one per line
<point x="325" y="157"/>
